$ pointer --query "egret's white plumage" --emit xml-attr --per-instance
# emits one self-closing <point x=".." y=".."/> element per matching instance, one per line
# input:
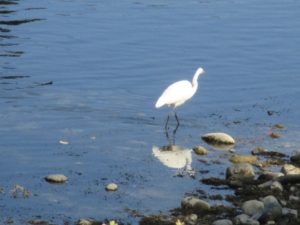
<point x="179" y="92"/>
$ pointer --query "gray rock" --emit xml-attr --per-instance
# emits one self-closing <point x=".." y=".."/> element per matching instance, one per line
<point x="253" y="207"/>
<point x="294" y="198"/>
<point x="218" y="138"/>
<point x="272" y="209"/>
<point x="296" y="157"/>
<point x="191" y="219"/>
<point x="268" y="175"/>
<point x="292" y="213"/>
<point x="240" y="170"/>
<point x="289" y="169"/>
<point x="222" y="222"/>
<point x="244" y="219"/>
<point x="56" y="178"/>
<point x="195" y="204"/>
<point x="276" y="186"/>
<point x="111" y="187"/>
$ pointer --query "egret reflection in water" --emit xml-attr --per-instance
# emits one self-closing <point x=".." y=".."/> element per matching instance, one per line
<point x="175" y="157"/>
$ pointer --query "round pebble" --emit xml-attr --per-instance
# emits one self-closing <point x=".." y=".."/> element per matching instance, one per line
<point x="111" y="187"/>
<point x="56" y="178"/>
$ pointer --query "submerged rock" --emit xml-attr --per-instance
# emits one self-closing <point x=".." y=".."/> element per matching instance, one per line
<point x="265" y="152"/>
<point x="243" y="159"/>
<point x="259" y="151"/>
<point x="199" y="150"/>
<point x="279" y="126"/>
<point x="253" y="207"/>
<point x="218" y="138"/>
<point x="240" y="171"/>
<point x="222" y="222"/>
<point x="194" y="204"/>
<point x="274" y="135"/>
<point x="56" y="178"/>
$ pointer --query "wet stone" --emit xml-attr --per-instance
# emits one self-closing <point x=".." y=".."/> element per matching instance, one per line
<point x="253" y="207"/>
<point x="272" y="209"/>
<point x="222" y="222"/>
<point x="240" y="171"/>
<point x="265" y="152"/>
<point x="218" y="138"/>
<point x="279" y="126"/>
<point x="290" y="212"/>
<point x="243" y="159"/>
<point x="274" y="135"/>
<point x="199" y="150"/>
<point x="296" y="157"/>
<point x="268" y="175"/>
<point x="191" y="219"/>
<point x="276" y="186"/>
<point x="194" y="204"/>
<point x="289" y="169"/>
<point x="244" y="219"/>
<point x="56" y="178"/>
<point x="259" y="151"/>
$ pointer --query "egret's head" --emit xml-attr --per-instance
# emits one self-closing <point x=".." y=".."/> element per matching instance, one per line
<point x="200" y="71"/>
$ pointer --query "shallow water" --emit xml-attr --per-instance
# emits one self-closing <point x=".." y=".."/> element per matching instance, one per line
<point x="89" y="72"/>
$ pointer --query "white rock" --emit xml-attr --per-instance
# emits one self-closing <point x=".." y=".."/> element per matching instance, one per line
<point x="253" y="207"/>
<point x="289" y="169"/>
<point x="218" y="138"/>
<point x="56" y="178"/>
<point x="222" y="222"/>
<point x="111" y="187"/>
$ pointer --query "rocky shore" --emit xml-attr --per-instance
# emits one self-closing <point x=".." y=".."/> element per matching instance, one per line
<point x="266" y="187"/>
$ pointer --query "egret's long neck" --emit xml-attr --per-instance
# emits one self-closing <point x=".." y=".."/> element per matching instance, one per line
<point x="195" y="80"/>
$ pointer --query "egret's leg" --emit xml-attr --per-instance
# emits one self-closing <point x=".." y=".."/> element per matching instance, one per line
<point x="177" y="119"/>
<point x="177" y="125"/>
<point x="167" y="121"/>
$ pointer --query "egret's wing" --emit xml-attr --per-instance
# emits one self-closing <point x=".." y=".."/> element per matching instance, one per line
<point x="176" y="92"/>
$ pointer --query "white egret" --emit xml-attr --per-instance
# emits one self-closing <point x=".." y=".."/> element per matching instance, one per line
<point x="178" y="93"/>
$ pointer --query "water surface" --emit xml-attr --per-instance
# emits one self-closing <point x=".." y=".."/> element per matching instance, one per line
<point x="89" y="72"/>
